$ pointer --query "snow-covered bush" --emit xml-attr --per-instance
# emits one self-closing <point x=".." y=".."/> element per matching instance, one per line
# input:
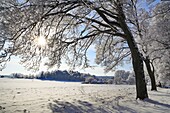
<point x="90" y="80"/>
<point x="17" y="75"/>
<point x="131" y="79"/>
<point x="121" y="76"/>
<point x="110" y="81"/>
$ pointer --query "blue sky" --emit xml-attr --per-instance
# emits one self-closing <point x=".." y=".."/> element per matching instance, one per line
<point x="15" y="67"/>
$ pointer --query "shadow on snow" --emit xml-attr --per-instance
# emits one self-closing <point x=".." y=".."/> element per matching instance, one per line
<point x="85" y="107"/>
<point x="157" y="103"/>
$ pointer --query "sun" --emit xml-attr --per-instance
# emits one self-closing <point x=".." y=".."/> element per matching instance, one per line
<point x="41" y="41"/>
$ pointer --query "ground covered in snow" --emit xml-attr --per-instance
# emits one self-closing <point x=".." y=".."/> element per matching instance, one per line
<point x="36" y="96"/>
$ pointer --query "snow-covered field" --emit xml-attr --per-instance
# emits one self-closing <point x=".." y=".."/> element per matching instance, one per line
<point x="36" y="96"/>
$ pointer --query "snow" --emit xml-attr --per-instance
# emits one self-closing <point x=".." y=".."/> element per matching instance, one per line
<point x="36" y="96"/>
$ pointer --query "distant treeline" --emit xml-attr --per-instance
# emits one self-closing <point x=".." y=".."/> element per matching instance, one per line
<point x="63" y="76"/>
<point x="72" y="76"/>
<point x="57" y="75"/>
<point x="120" y="77"/>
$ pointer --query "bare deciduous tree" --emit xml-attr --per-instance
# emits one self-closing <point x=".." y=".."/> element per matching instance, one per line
<point x="159" y="41"/>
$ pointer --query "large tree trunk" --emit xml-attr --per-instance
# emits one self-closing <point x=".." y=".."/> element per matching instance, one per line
<point x="151" y="74"/>
<point x="137" y="60"/>
<point x="138" y="69"/>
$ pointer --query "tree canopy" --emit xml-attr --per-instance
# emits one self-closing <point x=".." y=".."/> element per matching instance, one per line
<point x="69" y="28"/>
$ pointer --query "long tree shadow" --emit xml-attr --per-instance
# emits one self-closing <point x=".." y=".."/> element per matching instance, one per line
<point x="157" y="103"/>
<point x="123" y="109"/>
<point x="78" y="107"/>
<point x="85" y="107"/>
<point x="161" y="93"/>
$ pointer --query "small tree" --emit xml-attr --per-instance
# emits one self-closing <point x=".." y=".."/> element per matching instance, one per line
<point x="121" y="76"/>
<point x="131" y="79"/>
<point x="90" y="80"/>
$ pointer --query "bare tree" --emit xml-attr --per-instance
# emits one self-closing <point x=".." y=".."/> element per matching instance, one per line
<point x="144" y="21"/>
<point x="141" y="23"/>
<point x="121" y="76"/>
<point x="159" y="41"/>
<point x="70" y="27"/>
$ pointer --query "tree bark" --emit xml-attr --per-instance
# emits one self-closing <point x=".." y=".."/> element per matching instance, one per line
<point x="151" y="74"/>
<point x="137" y="59"/>
<point x="137" y="62"/>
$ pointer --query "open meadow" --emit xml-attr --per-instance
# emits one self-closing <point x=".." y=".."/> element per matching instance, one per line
<point x="36" y="96"/>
